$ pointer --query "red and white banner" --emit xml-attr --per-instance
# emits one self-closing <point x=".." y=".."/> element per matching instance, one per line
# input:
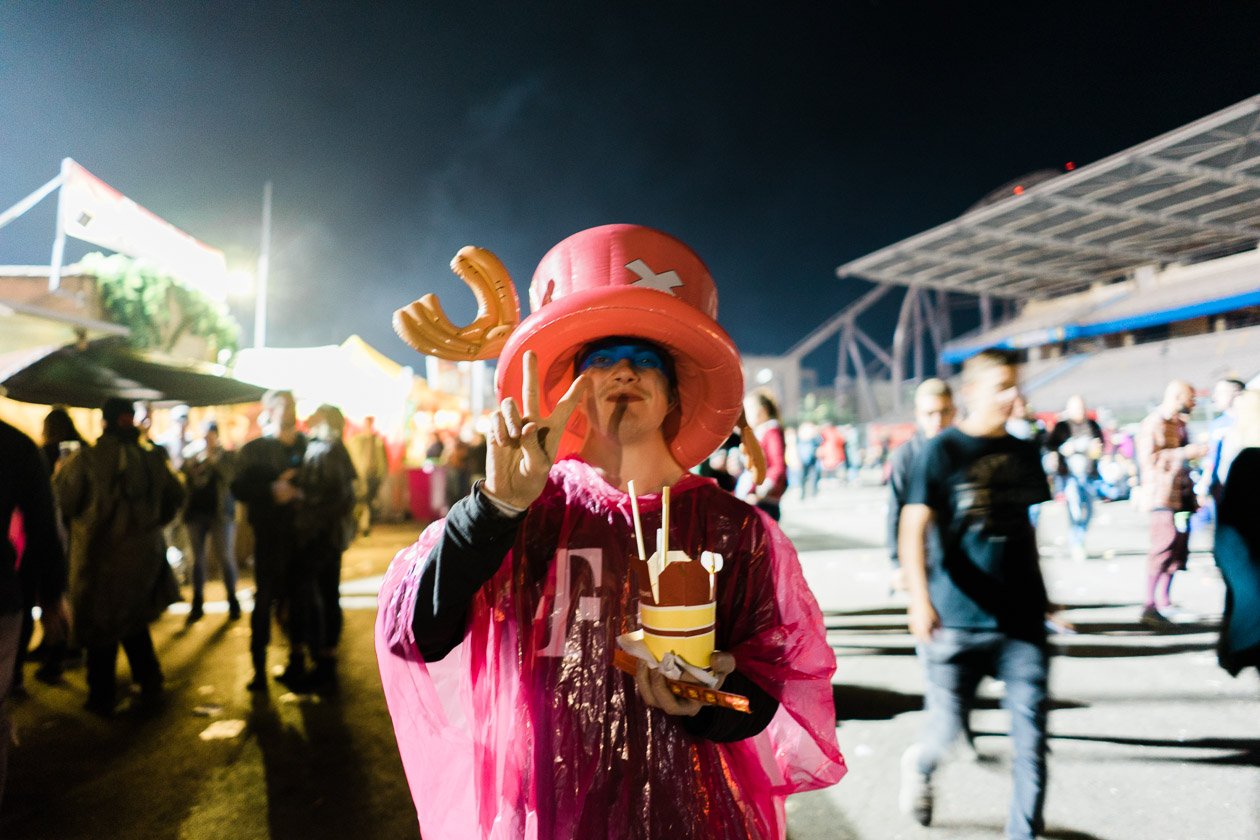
<point x="95" y="212"/>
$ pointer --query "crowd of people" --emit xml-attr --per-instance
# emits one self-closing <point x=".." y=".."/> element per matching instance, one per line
<point x="92" y="527"/>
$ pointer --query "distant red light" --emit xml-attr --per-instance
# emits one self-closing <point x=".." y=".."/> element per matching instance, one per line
<point x="1019" y="190"/>
<point x="1069" y="166"/>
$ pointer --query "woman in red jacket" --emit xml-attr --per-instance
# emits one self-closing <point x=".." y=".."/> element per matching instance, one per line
<point x="763" y="415"/>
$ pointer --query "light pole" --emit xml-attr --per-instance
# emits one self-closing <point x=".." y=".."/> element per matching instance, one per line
<point x="264" y="264"/>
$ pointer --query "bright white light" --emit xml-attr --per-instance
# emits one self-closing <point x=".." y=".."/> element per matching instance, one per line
<point x="240" y="283"/>
<point x="764" y="375"/>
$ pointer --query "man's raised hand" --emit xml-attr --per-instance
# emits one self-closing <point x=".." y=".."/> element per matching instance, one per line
<point x="521" y="449"/>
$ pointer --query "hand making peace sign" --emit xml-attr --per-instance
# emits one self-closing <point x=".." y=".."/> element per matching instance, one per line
<point x="521" y="450"/>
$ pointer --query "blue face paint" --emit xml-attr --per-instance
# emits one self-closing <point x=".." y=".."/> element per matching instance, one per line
<point x="640" y="356"/>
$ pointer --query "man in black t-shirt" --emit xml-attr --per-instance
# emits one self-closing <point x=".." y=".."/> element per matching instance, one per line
<point x="978" y="602"/>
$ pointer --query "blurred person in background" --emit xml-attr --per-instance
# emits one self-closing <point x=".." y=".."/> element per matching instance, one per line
<point x="25" y="492"/>
<point x="371" y="463"/>
<point x="1238" y="538"/>
<point x="933" y="412"/>
<point x="1216" y="464"/>
<point x="763" y="415"/>
<point x="61" y="439"/>
<point x="808" y="440"/>
<point x="118" y="495"/>
<point x="1073" y="447"/>
<point x="266" y="483"/>
<point x="207" y="469"/>
<point x="1164" y="454"/>
<point x="325" y="526"/>
<point x="1025" y="425"/>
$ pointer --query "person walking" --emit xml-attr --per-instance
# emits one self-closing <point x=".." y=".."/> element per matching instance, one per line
<point x="118" y="495"/>
<point x="1074" y="445"/>
<point x="977" y="598"/>
<point x="933" y="413"/>
<point x="1164" y="453"/>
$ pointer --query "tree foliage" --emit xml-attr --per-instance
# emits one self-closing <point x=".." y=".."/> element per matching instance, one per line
<point x="157" y="308"/>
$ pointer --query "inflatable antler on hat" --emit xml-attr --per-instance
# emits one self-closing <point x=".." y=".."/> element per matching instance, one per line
<point x="425" y="327"/>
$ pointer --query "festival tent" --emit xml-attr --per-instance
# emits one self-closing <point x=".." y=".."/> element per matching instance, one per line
<point x="353" y="376"/>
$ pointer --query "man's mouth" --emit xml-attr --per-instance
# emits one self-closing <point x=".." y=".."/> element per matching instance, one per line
<point x="623" y="398"/>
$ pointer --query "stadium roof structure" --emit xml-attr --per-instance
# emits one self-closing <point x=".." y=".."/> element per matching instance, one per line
<point x="1188" y="195"/>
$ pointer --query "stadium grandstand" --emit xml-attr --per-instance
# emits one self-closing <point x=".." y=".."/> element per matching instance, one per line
<point x="1108" y="279"/>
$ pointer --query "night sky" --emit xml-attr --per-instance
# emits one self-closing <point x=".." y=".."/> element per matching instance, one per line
<point x="778" y="139"/>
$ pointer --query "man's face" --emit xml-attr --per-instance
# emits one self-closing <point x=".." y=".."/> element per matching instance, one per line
<point x="933" y="413"/>
<point x="1223" y="396"/>
<point x="1184" y="398"/>
<point x="279" y="414"/>
<point x="1076" y="410"/>
<point x="630" y="396"/>
<point x="992" y="394"/>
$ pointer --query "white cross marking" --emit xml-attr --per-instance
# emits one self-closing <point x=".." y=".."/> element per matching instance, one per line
<point x="666" y="281"/>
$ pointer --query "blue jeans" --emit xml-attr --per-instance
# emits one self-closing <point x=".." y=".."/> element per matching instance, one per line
<point x="214" y="533"/>
<point x="1080" y="507"/>
<point x="955" y="661"/>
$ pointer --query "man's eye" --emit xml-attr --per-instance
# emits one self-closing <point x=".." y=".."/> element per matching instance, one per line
<point x="647" y="361"/>
<point x="601" y="360"/>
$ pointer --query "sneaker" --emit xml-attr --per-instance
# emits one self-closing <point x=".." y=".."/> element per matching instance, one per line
<point x="915" y="798"/>
<point x="234" y="610"/>
<point x="194" y="615"/>
<point x="1153" y="618"/>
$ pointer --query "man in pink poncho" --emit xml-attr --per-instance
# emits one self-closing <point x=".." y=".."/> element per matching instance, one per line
<point x="497" y="629"/>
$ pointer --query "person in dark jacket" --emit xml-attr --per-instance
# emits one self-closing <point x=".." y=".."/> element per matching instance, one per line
<point x="933" y="411"/>
<point x="325" y="529"/>
<point x="118" y="496"/>
<point x="60" y="439"/>
<point x="266" y="483"/>
<point x="24" y="490"/>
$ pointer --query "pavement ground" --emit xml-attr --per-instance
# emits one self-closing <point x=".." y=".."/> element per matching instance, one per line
<point x="1149" y="738"/>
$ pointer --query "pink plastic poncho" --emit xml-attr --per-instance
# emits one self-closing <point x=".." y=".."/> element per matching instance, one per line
<point x="525" y="730"/>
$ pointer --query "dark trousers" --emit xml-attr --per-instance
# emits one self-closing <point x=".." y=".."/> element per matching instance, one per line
<point x="211" y="537"/>
<point x="272" y="558"/>
<point x="102" y="664"/>
<point x="328" y="574"/>
<point x="10" y="628"/>
<point x="955" y="662"/>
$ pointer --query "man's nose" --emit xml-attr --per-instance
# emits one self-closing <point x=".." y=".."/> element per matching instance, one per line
<point x="623" y="371"/>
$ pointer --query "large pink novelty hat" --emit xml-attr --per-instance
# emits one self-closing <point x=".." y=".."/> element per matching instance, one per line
<point x="634" y="281"/>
